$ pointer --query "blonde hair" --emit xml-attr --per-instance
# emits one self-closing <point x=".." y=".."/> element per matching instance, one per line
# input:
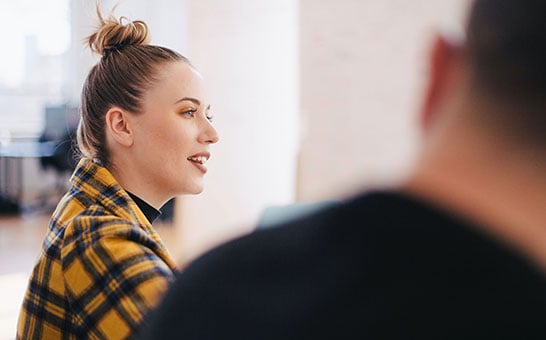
<point x="126" y="70"/>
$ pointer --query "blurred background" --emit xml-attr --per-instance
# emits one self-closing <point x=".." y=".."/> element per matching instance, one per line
<point x="314" y="100"/>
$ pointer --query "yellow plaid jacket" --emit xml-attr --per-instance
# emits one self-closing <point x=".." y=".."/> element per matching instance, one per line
<point x="102" y="266"/>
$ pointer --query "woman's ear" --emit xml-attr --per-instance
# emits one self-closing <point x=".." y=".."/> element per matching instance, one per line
<point x="118" y="126"/>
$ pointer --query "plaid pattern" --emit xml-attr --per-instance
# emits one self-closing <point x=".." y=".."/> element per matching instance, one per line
<point x="102" y="266"/>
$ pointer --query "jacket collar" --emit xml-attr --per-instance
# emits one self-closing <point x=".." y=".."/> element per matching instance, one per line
<point x="100" y="185"/>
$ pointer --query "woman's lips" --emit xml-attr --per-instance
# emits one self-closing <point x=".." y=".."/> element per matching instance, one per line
<point x="199" y="161"/>
<point x="199" y="165"/>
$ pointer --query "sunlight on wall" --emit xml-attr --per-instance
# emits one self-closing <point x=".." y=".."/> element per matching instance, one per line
<point x="247" y="51"/>
<point x="363" y="66"/>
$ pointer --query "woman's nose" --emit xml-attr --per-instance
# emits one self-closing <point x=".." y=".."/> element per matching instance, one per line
<point x="209" y="134"/>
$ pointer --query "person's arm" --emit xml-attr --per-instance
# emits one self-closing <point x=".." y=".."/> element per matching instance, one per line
<point x="113" y="278"/>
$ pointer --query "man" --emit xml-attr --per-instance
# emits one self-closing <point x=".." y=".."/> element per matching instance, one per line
<point x="457" y="251"/>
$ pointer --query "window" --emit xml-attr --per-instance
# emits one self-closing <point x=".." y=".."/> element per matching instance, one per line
<point x="35" y="39"/>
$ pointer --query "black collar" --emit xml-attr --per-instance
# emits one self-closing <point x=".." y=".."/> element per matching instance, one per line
<point x="150" y="212"/>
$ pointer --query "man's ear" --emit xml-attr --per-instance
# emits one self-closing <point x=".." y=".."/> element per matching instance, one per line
<point x="441" y="65"/>
<point x="118" y="126"/>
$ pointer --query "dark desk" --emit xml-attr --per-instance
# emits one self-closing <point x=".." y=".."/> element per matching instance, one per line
<point x="11" y="166"/>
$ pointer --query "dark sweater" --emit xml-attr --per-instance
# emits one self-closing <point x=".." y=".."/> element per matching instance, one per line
<point x="382" y="266"/>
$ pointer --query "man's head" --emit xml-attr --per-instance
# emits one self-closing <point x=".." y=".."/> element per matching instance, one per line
<point x="506" y="46"/>
<point x="484" y="114"/>
<point x="503" y="63"/>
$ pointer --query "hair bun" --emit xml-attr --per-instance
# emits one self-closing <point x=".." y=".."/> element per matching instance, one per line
<point x="114" y="34"/>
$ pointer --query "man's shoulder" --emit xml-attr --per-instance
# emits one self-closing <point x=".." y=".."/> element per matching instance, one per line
<point x="359" y="267"/>
<point x="369" y="232"/>
<point x="340" y="231"/>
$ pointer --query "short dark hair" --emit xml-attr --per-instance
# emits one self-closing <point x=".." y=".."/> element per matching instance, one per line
<point x="506" y="43"/>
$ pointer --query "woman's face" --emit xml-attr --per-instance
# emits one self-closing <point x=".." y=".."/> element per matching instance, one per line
<point x="173" y="134"/>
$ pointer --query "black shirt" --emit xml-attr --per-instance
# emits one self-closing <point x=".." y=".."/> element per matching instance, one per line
<point x="382" y="266"/>
<point x="149" y="212"/>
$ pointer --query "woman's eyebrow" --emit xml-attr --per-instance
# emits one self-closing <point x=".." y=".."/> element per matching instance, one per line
<point x="191" y="99"/>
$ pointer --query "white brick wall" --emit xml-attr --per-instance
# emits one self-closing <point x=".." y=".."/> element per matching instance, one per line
<point x="362" y="68"/>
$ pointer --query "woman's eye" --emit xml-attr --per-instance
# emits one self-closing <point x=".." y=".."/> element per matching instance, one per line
<point x="189" y="113"/>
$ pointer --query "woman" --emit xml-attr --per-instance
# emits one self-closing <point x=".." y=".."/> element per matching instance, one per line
<point x="145" y="134"/>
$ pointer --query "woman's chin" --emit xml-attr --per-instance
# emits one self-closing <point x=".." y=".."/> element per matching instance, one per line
<point x="196" y="190"/>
